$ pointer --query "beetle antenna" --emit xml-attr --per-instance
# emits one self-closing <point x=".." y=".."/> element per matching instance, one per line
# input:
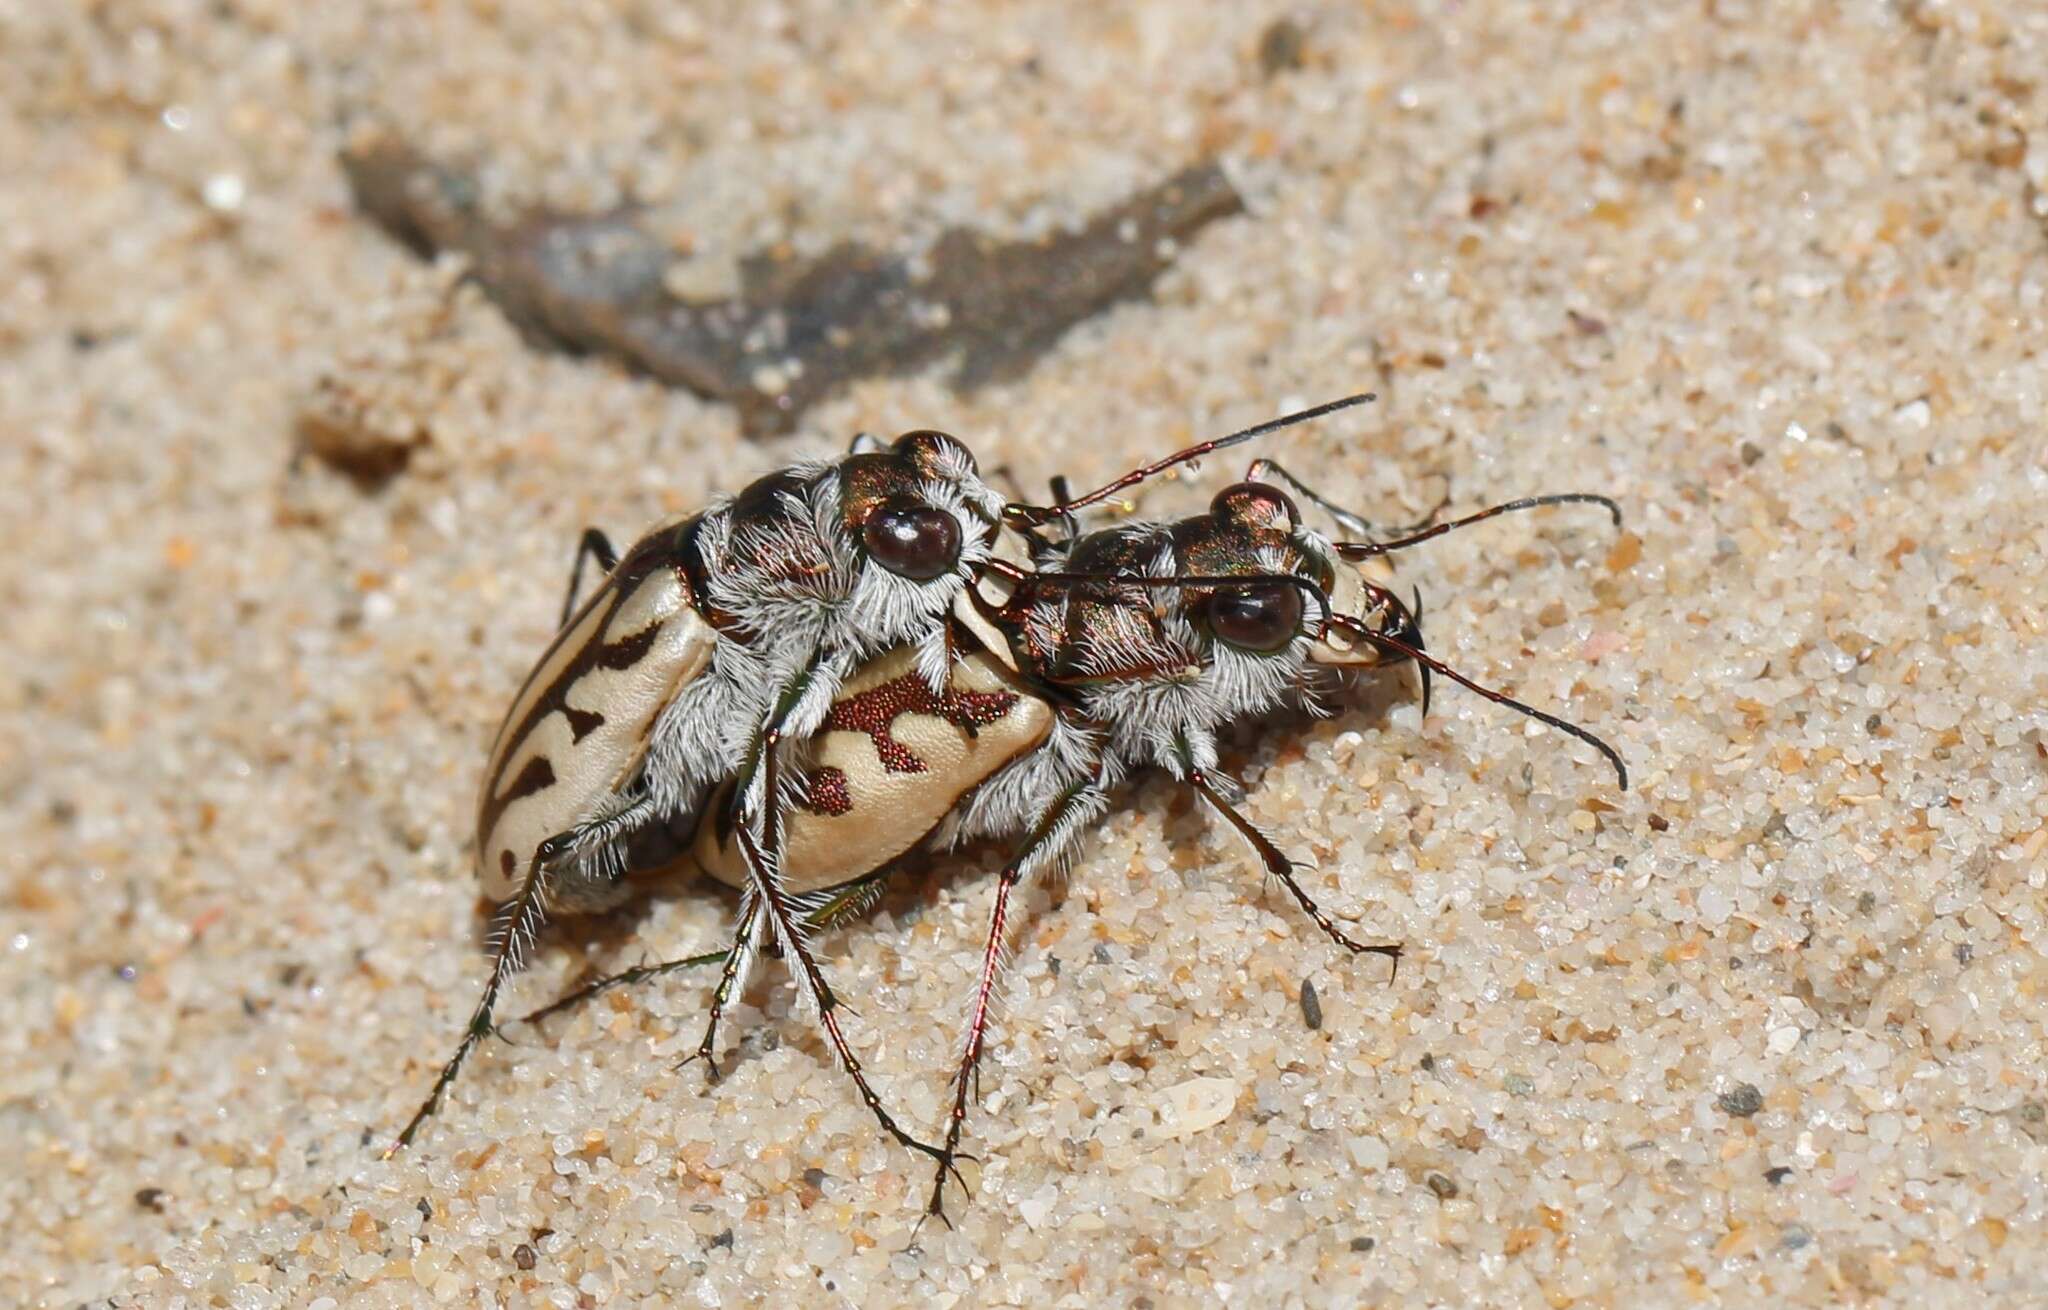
<point x="1183" y="581"/>
<point x="1034" y="515"/>
<point x="1357" y="550"/>
<point x="1389" y="642"/>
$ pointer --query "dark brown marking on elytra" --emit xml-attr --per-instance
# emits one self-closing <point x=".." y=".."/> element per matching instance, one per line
<point x="582" y="722"/>
<point x="507" y="862"/>
<point x="625" y="652"/>
<point x="621" y="654"/>
<point x="537" y="776"/>
<point x="827" y="792"/>
<point x="876" y="710"/>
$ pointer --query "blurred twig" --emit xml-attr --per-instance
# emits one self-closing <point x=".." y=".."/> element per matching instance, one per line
<point x="795" y="331"/>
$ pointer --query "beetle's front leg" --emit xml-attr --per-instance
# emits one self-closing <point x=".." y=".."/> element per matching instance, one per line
<point x="799" y="705"/>
<point x="1277" y="864"/>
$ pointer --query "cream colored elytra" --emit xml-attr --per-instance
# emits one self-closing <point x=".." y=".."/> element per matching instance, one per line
<point x="890" y="809"/>
<point x="579" y="727"/>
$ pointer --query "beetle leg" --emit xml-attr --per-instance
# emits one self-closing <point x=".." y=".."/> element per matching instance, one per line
<point x="1061" y="493"/>
<point x="739" y="962"/>
<point x="841" y="903"/>
<point x="1282" y="868"/>
<point x="624" y="978"/>
<point x="517" y="923"/>
<point x="594" y="545"/>
<point x="1049" y="839"/>
<point x="1356" y="524"/>
<point x="763" y="860"/>
<point x="801" y="704"/>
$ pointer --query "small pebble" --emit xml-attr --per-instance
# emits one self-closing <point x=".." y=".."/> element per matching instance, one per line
<point x="1197" y="1104"/>
<point x="1280" y="47"/>
<point x="1744" y="1101"/>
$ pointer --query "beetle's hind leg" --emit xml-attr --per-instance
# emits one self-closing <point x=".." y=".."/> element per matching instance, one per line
<point x="639" y="973"/>
<point x="836" y="906"/>
<point x="593" y="545"/>
<point x="518" y="922"/>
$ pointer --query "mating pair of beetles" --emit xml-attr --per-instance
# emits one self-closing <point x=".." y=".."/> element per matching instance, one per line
<point x="854" y="659"/>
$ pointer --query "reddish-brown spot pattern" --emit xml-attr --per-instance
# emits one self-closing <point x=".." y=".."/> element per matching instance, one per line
<point x="827" y="792"/>
<point x="876" y="710"/>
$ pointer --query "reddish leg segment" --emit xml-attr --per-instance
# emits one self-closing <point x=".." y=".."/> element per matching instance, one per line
<point x="763" y="864"/>
<point x="1051" y="836"/>
<point x="1281" y="867"/>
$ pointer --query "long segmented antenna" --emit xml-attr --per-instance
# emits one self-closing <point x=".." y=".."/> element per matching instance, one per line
<point x="1386" y="641"/>
<point x="1038" y="515"/>
<point x="1357" y="550"/>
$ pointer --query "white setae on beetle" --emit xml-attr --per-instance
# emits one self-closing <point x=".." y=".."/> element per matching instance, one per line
<point x="1111" y="652"/>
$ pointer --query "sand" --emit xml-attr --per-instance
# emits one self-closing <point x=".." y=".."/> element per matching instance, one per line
<point x="1766" y="1029"/>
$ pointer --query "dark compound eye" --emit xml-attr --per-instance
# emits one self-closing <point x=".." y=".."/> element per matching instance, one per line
<point x="1258" y="504"/>
<point x="915" y="541"/>
<point x="1256" y="618"/>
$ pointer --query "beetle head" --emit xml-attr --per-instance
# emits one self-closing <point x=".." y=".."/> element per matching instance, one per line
<point x="916" y="506"/>
<point x="916" y="523"/>
<point x="1300" y="605"/>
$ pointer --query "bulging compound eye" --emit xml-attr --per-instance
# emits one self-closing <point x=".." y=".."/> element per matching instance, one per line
<point x="1257" y="504"/>
<point x="1263" y="618"/>
<point x="915" y="541"/>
